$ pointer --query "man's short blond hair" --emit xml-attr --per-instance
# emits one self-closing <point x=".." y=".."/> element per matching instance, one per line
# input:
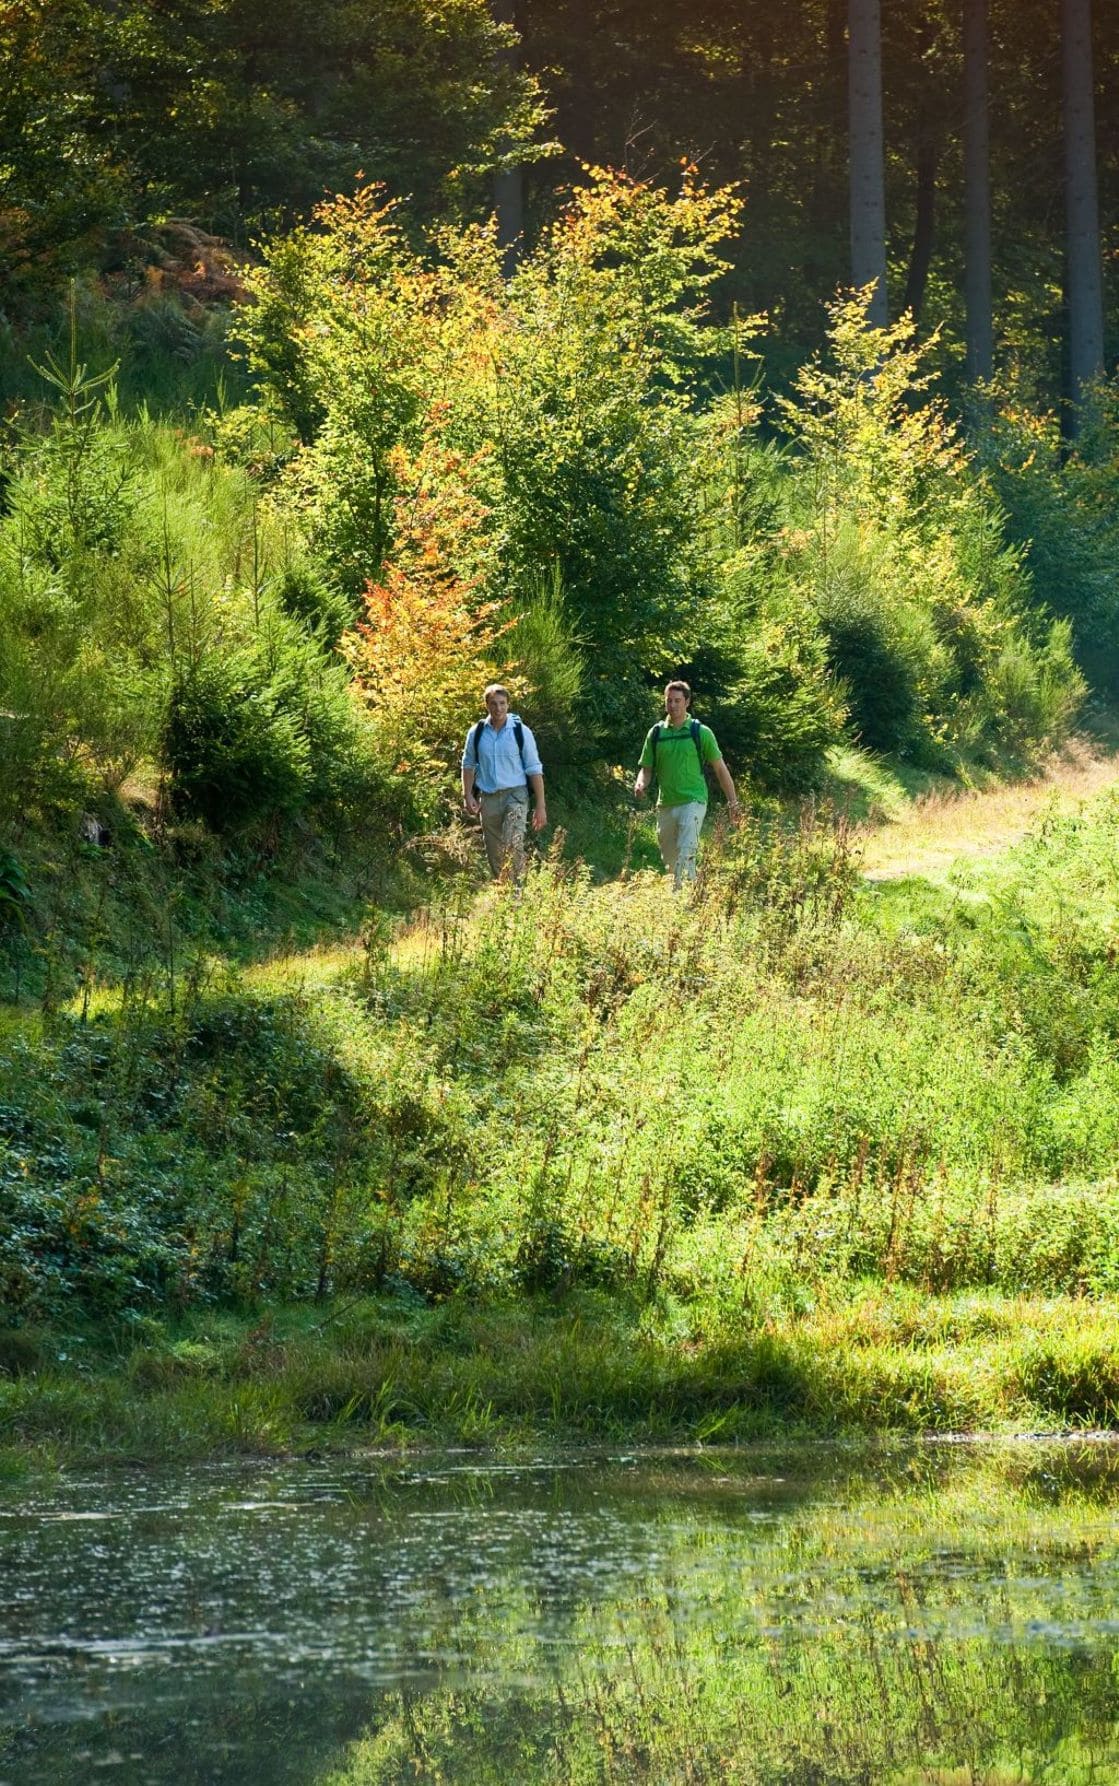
<point x="684" y="688"/>
<point x="495" y="688"/>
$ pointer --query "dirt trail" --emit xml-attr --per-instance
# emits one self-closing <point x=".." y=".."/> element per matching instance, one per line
<point x="935" y="833"/>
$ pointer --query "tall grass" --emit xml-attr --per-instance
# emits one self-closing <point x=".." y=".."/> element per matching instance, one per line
<point x="724" y="1115"/>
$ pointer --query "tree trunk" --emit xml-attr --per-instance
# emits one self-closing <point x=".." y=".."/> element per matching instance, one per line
<point x="830" y="121"/>
<point x="977" y="194"/>
<point x="509" y="183"/>
<point x="1084" y="275"/>
<point x="928" y="164"/>
<point x="868" y="180"/>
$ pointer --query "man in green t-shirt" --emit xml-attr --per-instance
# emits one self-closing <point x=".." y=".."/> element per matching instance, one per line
<point x="675" y="752"/>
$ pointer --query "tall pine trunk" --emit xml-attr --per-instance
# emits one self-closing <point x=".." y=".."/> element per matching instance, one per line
<point x="831" y="101"/>
<point x="868" y="177"/>
<point x="1084" y="273"/>
<point x="509" y="182"/>
<point x="924" y="228"/>
<point x="977" y="194"/>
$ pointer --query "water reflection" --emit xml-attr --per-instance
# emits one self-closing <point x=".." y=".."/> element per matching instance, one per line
<point x="793" y="1617"/>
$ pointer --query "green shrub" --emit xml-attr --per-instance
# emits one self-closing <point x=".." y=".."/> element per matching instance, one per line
<point x="72" y="713"/>
<point x="267" y="731"/>
<point x="1032" y="692"/>
<point x="550" y="665"/>
<point x="1061" y="512"/>
<point x="932" y="623"/>
<point x="772" y="705"/>
<point x="144" y="625"/>
<point x="588" y="462"/>
<point x="15" y="892"/>
<point x="305" y="594"/>
<point x="115" y="561"/>
<point x="346" y="337"/>
<point x="235" y="752"/>
<point x="881" y="649"/>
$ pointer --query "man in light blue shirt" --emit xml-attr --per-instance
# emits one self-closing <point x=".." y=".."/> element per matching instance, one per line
<point x="500" y="766"/>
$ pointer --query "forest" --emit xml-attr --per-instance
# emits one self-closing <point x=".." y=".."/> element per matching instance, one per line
<point x="352" y="360"/>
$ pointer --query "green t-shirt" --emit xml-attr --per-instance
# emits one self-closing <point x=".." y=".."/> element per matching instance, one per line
<point x="680" y="777"/>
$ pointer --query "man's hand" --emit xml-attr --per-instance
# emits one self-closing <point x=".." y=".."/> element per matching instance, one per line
<point x="539" y="818"/>
<point x="641" y="785"/>
<point x="471" y="805"/>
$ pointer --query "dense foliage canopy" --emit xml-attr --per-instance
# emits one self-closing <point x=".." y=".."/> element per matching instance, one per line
<point x="238" y="114"/>
<point x="651" y="442"/>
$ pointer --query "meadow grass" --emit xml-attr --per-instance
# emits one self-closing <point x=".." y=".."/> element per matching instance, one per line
<point x="373" y="1374"/>
<point x="792" y="1149"/>
<point x="927" y="834"/>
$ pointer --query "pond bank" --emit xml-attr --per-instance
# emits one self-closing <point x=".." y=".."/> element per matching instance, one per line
<point x="793" y="1154"/>
<point x="379" y="1372"/>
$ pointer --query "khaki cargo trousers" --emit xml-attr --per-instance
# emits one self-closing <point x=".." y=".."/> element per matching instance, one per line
<point x="504" y="820"/>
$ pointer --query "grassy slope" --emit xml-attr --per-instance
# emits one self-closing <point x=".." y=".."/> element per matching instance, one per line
<point x="878" y="1266"/>
<point x="949" y="828"/>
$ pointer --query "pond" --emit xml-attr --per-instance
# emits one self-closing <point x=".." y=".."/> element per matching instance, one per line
<point x="935" y="1613"/>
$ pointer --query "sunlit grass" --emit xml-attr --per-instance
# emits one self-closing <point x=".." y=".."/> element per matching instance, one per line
<point x="371" y="1372"/>
<point x="307" y="970"/>
<point x="928" y="835"/>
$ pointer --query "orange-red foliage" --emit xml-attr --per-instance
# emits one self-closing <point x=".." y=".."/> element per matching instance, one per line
<point x="427" y="645"/>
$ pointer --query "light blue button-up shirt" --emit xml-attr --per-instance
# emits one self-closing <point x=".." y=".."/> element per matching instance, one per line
<point x="499" y="761"/>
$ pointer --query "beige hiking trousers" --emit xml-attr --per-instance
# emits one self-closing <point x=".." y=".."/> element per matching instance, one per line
<point x="678" y="830"/>
<point x="504" y="819"/>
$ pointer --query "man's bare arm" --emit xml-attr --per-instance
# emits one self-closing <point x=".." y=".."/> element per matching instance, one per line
<point x="539" y="810"/>
<point x="469" y="798"/>
<point x="722" y="776"/>
<point x="642" y="784"/>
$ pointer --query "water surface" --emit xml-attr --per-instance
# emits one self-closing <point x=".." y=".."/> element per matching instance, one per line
<point x="798" y="1616"/>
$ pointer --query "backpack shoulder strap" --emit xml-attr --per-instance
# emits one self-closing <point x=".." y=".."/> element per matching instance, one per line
<point x="519" y="735"/>
<point x="475" y="736"/>
<point x="695" y="729"/>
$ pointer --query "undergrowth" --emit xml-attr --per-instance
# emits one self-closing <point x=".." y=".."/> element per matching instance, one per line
<point x="785" y="1150"/>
